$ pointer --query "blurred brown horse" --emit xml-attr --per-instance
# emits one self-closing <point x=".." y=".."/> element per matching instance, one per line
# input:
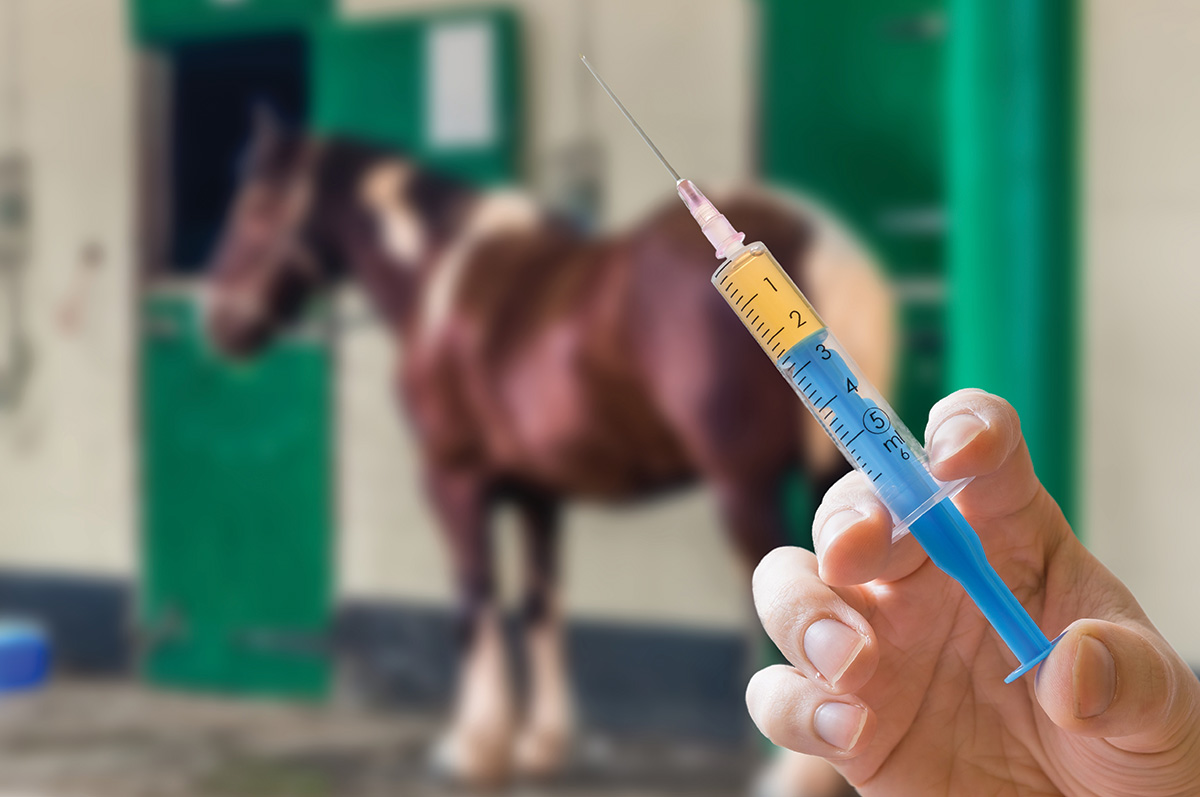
<point x="537" y="364"/>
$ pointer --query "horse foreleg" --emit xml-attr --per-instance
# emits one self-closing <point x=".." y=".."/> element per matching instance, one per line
<point x="478" y="747"/>
<point x="543" y="744"/>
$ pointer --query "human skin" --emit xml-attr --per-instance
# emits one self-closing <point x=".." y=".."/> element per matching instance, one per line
<point x="899" y="681"/>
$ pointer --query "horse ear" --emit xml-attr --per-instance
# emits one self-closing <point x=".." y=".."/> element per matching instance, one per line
<point x="265" y="124"/>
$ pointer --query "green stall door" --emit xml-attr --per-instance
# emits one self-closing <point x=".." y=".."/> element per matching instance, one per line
<point x="157" y="21"/>
<point x="237" y="503"/>
<point x="442" y="87"/>
<point x="1014" y="145"/>
<point x="852" y="112"/>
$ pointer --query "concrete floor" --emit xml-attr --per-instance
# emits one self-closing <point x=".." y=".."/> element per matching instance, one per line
<point x="81" y="739"/>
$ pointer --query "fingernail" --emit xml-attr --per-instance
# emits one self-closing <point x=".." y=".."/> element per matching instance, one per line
<point x="839" y="522"/>
<point x="840" y="724"/>
<point x="831" y="647"/>
<point x="1094" y="678"/>
<point x="954" y="435"/>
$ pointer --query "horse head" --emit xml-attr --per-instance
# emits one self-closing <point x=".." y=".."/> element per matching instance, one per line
<point x="308" y="210"/>
<point x="268" y="261"/>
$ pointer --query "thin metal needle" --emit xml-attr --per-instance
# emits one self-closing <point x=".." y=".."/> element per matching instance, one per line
<point x="632" y="121"/>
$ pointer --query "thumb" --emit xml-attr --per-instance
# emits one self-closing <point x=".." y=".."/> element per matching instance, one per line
<point x="1104" y="679"/>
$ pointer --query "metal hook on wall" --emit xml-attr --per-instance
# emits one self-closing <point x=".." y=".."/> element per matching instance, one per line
<point x="17" y="363"/>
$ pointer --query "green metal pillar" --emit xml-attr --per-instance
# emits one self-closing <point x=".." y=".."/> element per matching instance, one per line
<point x="1012" y="318"/>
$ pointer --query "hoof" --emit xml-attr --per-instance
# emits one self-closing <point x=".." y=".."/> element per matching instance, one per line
<point x="542" y="754"/>
<point x="474" y="760"/>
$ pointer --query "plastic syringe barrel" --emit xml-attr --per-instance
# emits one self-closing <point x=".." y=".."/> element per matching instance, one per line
<point x="871" y="436"/>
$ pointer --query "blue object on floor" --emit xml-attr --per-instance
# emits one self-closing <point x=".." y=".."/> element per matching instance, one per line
<point x="24" y="657"/>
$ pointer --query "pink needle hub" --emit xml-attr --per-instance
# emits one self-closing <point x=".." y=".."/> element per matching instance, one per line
<point x="716" y="228"/>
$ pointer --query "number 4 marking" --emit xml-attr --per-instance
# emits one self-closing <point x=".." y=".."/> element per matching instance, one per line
<point x="850" y="386"/>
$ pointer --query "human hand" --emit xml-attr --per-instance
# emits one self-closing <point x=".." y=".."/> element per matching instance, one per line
<point x="899" y="681"/>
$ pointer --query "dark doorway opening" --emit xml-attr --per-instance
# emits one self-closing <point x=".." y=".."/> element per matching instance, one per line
<point x="214" y="88"/>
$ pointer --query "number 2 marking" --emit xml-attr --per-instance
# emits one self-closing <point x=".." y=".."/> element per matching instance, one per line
<point x="799" y="321"/>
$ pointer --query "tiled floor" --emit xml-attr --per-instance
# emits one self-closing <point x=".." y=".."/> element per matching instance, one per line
<point x="120" y="740"/>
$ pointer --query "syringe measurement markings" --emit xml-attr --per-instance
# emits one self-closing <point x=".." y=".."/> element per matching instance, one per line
<point x="863" y="462"/>
<point x="752" y="298"/>
<point x="808" y="387"/>
<point x="858" y="456"/>
<point x="775" y="336"/>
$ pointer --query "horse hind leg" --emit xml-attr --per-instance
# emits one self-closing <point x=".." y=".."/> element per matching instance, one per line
<point x="477" y="749"/>
<point x="543" y="743"/>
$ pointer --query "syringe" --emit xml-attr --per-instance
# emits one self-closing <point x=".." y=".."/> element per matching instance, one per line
<point x="854" y="415"/>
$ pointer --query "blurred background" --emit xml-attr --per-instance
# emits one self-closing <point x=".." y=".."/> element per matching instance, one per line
<point x="1025" y="172"/>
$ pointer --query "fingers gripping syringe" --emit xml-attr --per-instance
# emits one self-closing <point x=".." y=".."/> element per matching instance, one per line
<point x="855" y="416"/>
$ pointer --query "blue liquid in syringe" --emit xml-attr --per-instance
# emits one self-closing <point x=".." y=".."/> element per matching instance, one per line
<point x="866" y="430"/>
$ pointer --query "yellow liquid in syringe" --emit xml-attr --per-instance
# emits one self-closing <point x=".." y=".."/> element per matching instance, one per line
<point x="761" y="292"/>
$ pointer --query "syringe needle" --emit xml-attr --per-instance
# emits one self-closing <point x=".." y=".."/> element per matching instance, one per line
<point x="629" y="116"/>
<point x="716" y="228"/>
